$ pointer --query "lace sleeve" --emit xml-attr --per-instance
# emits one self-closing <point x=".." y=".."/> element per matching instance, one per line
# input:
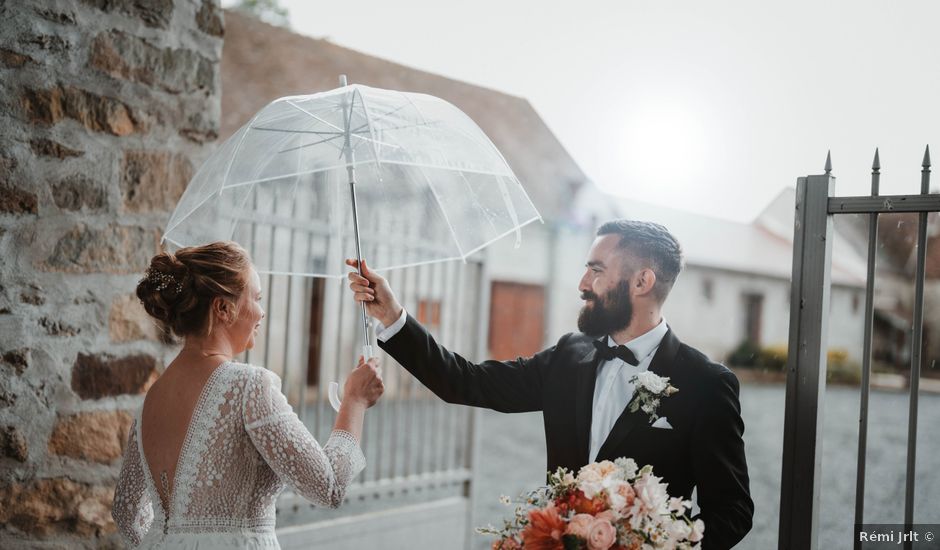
<point x="132" y="509"/>
<point x="320" y="475"/>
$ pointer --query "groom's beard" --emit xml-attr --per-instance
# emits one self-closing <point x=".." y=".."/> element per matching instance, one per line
<point x="606" y="315"/>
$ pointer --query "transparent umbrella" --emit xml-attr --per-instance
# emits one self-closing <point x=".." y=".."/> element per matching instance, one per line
<point x="407" y="177"/>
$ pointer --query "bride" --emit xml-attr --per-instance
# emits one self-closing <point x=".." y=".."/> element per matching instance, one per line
<point x="215" y="441"/>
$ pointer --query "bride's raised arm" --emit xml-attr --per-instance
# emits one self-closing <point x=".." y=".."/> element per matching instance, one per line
<point x="319" y="474"/>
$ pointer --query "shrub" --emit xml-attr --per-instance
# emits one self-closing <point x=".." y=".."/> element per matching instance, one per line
<point x="745" y="355"/>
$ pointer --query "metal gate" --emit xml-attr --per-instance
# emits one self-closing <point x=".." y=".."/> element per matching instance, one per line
<point x="806" y="368"/>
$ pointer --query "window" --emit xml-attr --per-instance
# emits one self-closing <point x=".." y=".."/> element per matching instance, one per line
<point x="753" y="312"/>
<point x="708" y="289"/>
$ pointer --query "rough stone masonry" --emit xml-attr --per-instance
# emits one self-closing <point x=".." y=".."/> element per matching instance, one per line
<point x="106" y="108"/>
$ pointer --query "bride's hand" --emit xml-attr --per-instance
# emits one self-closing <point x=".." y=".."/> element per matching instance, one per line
<point x="364" y="385"/>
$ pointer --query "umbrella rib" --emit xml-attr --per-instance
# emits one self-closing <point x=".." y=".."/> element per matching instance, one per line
<point x="363" y="162"/>
<point x="228" y="169"/>
<point x="315" y="117"/>
<point x="343" y="132"/>
<point x="261" y="128"/>
<point x="365" y="108"/>
<point x="501" y="235"/>
<point x="305" y="145"/>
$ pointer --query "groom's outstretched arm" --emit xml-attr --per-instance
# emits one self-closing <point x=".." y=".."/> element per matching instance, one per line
<point x="507" y="386"/>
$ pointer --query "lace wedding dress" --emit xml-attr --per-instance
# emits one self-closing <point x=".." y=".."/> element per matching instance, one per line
<point x="244" y="444"/>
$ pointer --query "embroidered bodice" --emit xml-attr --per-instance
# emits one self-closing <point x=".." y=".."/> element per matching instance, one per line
<point x="244" y="444"/>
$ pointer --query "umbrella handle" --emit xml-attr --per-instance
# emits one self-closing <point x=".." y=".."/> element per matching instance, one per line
<point x="333" y="391"/>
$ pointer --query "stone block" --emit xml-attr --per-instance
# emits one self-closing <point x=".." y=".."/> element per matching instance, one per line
<point x="152" y="181"/>
<point x="95" y="112"/>
<point x="16" y="358"/>
<point x="174" y="70"/>
<point x="48" y="148"/>
<point x="14" y="60"/>
<point x="13" y="444"/>
<point x="77" y="192"/>
<point x="127" y="321"/>
<point x="57" y="506"/>
<point x="32" y="295"/>
<point x="98" y="436"/>
<point x="95" y="376"/>
<point x="153" y="13"/>
<point x="60" y="17"/>
<point x="58" y="328"/>
<point x="113" y="249"/>
<point x="199" y="128"/>
<point x="16" y="200"/>
<point x="49" y="43"/>
<point x="209" y="19"/>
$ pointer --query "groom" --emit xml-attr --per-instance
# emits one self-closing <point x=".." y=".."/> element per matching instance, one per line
<point x="583" y="384"/>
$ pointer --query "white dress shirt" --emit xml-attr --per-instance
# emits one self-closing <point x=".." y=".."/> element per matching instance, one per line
<point x="613" y="389"/>
<point x="383" y="333"/>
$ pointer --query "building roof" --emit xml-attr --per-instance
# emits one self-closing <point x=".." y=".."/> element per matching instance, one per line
<point x="755" y="248"/>
<point x="261" y="62"/>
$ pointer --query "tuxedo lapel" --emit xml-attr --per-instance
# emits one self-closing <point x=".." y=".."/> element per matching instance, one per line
<point x="586" y="369"/>
<point x="662" y="365"/>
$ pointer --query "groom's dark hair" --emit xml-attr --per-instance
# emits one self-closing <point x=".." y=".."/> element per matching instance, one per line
<point x="653" y="243"/>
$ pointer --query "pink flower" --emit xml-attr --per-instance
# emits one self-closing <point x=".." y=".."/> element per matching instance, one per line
<point x="580" y="525"/>
<point x="602" y="536"/>
<point x="698" y="531"/>
<point x="507" y="544"/>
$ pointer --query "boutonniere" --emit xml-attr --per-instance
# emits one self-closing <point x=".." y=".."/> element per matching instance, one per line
<point x="649" y="390"/>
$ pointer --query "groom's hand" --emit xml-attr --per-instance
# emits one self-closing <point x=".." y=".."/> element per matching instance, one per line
<point x="372" y="289"/>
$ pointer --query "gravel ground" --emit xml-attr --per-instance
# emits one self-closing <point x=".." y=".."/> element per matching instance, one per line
<point x="512" y="458"/>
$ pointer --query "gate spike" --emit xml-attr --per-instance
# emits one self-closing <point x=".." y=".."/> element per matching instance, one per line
<point x="876" y="164"/>
<point x="828" y="162"/>
<point x="926" y="163"/>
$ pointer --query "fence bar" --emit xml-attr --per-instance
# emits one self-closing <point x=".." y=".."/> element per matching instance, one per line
<point x="474" y="437"/>
<point x="270" y="296"/>
<point x="866" y="353"/>
<point x="809" y="307"/>
<point x="884" y="204"/>
<point x="917" y="350"/>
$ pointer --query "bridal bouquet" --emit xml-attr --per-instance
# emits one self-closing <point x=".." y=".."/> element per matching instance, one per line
<point x="609" y="505"/>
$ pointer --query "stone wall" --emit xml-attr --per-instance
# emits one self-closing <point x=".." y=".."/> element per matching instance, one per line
<point x="106" y="108"/>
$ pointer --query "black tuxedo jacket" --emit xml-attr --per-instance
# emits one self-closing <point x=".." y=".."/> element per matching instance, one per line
<point x="704" y="449"/>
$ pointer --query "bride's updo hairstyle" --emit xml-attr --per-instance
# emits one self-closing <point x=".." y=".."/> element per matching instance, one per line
<point x="179" y="288"/>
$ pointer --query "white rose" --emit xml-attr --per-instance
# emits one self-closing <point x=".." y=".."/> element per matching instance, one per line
<point x="629" y="467"/>
<point x="679" y="530"/>
<point x="652" y="382"/>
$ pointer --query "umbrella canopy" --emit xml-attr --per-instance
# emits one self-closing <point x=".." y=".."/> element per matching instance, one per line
<point x="429" y="185"/>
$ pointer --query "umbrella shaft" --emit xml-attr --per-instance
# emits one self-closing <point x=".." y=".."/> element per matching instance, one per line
<point x="352" y="193"/>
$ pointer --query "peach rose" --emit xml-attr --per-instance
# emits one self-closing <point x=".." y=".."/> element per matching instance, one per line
<point x="628" y="494"/>
<point x="580" y="525"/>
<point x="602" y="536"/>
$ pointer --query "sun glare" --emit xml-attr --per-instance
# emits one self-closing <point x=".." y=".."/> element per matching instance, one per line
<point x="663" y="144"/>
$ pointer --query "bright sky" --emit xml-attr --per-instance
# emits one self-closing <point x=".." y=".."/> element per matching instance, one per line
<point x="706" y="106"/>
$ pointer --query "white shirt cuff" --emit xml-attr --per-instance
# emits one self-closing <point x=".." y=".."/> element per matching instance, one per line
<point x="383" y="333"/>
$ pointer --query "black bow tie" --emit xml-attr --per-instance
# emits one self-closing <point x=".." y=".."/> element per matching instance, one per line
<point x="622" y="352"/>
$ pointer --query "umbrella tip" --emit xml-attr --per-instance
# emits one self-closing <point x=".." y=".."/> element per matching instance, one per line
<point x="342" y="80"/>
